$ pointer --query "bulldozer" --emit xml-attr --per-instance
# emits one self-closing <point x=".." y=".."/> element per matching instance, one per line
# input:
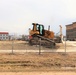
<point x="38" y="35"/>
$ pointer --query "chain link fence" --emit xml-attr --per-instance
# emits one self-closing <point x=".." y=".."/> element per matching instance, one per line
<point x="23" y="46"/>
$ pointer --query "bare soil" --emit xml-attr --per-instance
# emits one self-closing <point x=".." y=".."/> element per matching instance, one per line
<point x="36" y="62"/>
<point x="38" y="73"/>
<point x="33" y="61"/>
<point x="16" y="45"/>
<point x="22" y="45"/>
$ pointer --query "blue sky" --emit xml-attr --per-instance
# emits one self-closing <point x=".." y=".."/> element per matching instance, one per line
<point x="16" y="16"/>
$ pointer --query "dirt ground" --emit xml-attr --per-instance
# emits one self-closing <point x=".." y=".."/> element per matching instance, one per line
<point x="38" y="73"/>
<point x="36" y="62"/>
<point x="28" y="61"/>
<point x="22" y="45"/>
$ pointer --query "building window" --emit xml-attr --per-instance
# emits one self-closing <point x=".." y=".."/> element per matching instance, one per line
<point x="6" y="37"/>
<point x="0" y="34"/>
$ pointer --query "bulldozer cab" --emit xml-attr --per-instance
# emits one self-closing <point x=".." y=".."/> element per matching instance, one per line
<point x="39" y="28"/>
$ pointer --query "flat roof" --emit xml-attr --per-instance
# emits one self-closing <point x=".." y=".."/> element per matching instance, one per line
<point x="69" y="25"/>
<point x="4" y="33"/>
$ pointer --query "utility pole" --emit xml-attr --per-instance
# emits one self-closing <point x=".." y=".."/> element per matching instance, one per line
<point x="12" y="45"/>
<point x="65" y="45"/>
<point x="39" y="46"/>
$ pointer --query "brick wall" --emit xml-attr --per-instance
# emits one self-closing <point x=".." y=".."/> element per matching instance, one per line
<point x="71" y="31"/>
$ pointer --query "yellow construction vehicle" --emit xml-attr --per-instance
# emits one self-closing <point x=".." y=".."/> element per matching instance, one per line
<point x="38" y="32"/>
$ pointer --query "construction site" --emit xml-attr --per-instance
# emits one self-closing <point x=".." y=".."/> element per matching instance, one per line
<point x="42" y="52"/>
<point x="38" y="37"/>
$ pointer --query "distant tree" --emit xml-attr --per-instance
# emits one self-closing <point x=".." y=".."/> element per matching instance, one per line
<point x="23" y="37"/>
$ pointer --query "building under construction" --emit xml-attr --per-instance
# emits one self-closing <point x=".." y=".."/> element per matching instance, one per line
<point x="71" y="31"/>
